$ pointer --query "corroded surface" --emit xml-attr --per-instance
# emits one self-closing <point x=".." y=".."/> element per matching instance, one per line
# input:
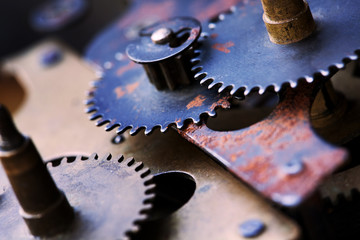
<point x="265" y="154"/>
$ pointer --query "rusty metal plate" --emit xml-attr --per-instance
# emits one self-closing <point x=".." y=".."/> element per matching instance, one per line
<point x="53" y="116"/>
<point x="281" y="156"/>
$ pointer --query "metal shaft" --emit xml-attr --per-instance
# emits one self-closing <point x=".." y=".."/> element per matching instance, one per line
<point x="44" y="207"/>
<point x="287" y="21"/>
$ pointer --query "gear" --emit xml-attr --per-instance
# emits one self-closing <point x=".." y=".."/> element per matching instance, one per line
<point x="98" y="190"/>
<point x="238" y="40"/>
<point x="126" y="97"/>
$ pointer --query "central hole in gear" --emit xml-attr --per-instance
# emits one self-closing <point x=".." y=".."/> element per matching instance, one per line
<point x="244" y="113"/>
<point x="173" y="190"/>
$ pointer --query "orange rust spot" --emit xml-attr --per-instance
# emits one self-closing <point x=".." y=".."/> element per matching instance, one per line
<point x="178" y="120"/>
<point x="197" y="102"/>
<point x="224" y="103"/>
<point x="125" y="68"/>
<point x="132" y="86"/>
<point x="223" y="47"/>
<point x="119" y="92"/>
<point x="214" y="35"/>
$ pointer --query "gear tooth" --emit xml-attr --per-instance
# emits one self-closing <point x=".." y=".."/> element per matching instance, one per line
<point x="293" y="84"/>
<point x="134" y="130"/>
<point x="197" y="51"/>
<point x="121" y="129"/>
<point x="340" y="65"/>
<point x="200" y="76"/>
<point x="246" y="91"/>
<point x="138" y="166"/>
<point x="353" y="57"/>
<point x="222" y="88"/>
<point x="89" y="102"/>
<point x="93" y="156"/>
<point x="233" y="90"/>
<point x="211" y="85"/>
<point x="91" y="109"/>
<point x="309" y="79"/>
<point x="110" y="126"/>
<point x="106" y="157"/>
<point x="101" y="122"/>
<point x="148" y="130"/>
<point x="163" y="128"/>
<point x="195" y="60"/>
<point x="95" y="116"/>
<point x="129" y="161"/>
<point x="180" y="124"/>
<point x="324" y="72"/>
<point x="196" y="69"/>
<point x="276" y="87"/>
<point x="135" y="229"/>
<point x="144" y="172"/>
<point x="261" y="90"/>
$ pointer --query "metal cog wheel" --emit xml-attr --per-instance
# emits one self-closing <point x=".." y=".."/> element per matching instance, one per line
<point x="238" y="40"/>
<point x="99" y="190"/>
<point x="128" y="97"/>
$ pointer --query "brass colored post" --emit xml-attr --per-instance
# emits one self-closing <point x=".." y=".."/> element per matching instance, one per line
<point x="44" y="207"/>
<point x="287" y="21"/>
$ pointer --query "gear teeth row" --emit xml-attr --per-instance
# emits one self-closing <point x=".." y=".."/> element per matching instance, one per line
<point x="205" y="78"/>
<point x="138" y="167"/>
<point x="101" y="121"/>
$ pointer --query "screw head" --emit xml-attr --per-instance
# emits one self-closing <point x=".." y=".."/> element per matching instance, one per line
<point x="293" y="167"/>
<point x="118" y="139"/>
<point x="51" y="57"/>
<point x="162" y="35"/>
<point x="251" y="228"/>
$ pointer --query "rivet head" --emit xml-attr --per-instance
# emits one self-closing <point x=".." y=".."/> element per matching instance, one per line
<point x="162" y="35"/>
<point x="118" y="139"/>
<point x="293" y="167"/>
<point x="251" y="228"/>
<point x="51" y="57"/>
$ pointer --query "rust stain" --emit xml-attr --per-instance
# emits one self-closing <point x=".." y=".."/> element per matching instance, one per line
<point x="119" y="92"/>
<point x="223" y="47"/>
<point x="256" y="154"/>
<point x="132" y="86"/>
<point x="214" y="35"/>
<point x="125" y="68"/>
<point x="223" y="102"/>
<point x="197" y="102"/>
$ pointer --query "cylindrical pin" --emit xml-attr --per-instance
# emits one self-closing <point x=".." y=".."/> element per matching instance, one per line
<point x="44" y="207"/>
<point x="287" y="21"/>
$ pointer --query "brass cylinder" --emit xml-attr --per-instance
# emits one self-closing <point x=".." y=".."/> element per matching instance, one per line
<point x="287" y="21"/>
<point x="44" y="207"/>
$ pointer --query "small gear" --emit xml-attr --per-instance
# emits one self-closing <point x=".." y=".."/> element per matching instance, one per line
<point x="238" y="40"/>
<point x="98" y="190"/>
<point x="163" y="91"/>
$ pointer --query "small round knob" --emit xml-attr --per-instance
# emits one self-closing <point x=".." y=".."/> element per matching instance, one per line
<point x="165" y="50"/>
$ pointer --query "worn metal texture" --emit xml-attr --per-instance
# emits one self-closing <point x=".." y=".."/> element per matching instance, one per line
<point x="124" y="98"/>
<point x="112" y="42"/>
<point x="238" y="40"/>
<point x="101" y="207"/>
<point x="220" y="202"/>
<point x="281" y="156"/>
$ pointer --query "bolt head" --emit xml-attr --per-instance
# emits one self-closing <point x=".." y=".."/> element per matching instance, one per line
<point x="251" y="228"/>
<point x="162" y="35"/>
